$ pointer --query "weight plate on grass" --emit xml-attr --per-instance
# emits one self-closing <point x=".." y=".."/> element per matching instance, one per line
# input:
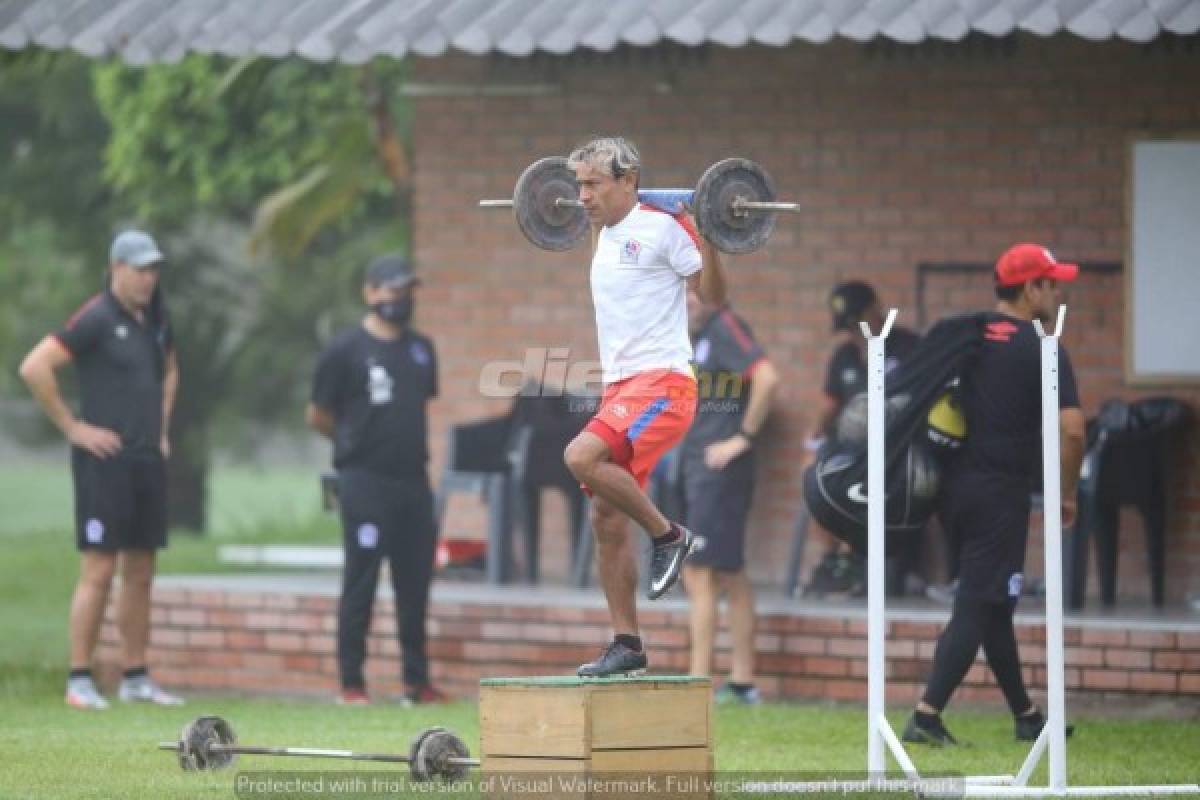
<point x="195" y="752"/>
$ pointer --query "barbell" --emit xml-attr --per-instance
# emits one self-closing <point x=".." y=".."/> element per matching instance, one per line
<point x="734" y="204"/>
<point x="208" y="743"/>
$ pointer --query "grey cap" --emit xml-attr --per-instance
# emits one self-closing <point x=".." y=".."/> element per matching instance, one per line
<point x="391" y="272"/>
<point x="135" y="248"/>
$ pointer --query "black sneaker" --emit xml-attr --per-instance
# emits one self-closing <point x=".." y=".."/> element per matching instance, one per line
<point x="931" y="733"/>
<point x="617" y="659"/>
<point x="821" y="580"/>
<point x="1028" y="727"/>
<point x="667" y="562"/>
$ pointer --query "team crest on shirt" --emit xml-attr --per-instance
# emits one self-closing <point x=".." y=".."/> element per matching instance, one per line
<point x="121" y="331"/>
<point x="620" y="410"/>
<point x="419" y="353"/>
<point x="850" y="375"/>
<point x="368" y="536"/>
<point x="630" y="251"/>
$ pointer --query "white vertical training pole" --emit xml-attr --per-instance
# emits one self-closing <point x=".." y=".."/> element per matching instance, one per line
<point x="1052" y="535"/>
<point x="876" y="663"/>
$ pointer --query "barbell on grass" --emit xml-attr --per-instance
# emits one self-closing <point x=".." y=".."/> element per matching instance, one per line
<point x="734" y="203"/>
<point x="208" y="743"/>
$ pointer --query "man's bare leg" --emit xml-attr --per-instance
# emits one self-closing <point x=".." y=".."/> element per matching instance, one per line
<point x="702" y="614"/>
<point x="740" y="595"/>
<point x="616" y="564"/>
<point x="96" y="569"/>
<point x="588" y="458"/>
<point x="133" y="605"/>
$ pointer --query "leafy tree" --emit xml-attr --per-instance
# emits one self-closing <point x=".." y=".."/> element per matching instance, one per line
<point x="269" y="183"/>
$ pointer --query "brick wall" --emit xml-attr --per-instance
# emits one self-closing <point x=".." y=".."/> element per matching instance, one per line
<point x="899" y="155"/>
<point x="283" y="643"/>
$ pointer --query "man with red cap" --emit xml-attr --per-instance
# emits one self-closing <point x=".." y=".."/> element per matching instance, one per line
<point x="986" y="499"/>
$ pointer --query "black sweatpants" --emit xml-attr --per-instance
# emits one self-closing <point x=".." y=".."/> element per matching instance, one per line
<point x="988" y="516"/>
<point x="392" y="518"/>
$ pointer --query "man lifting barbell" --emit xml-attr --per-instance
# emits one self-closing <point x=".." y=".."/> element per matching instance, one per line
<point x="643" y="262"/>
<point x="646" y="254"/>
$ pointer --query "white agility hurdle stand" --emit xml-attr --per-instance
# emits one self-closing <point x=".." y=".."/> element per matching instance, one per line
<point x="1053" y="736"/>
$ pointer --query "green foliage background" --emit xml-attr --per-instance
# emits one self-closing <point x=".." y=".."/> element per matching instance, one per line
<point x="260" y="178"/>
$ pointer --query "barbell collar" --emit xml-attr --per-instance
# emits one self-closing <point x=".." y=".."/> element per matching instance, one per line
<point x="741" y="204"/>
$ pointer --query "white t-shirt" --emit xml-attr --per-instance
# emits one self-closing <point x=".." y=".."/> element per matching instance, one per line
<point x="639" y="293"/>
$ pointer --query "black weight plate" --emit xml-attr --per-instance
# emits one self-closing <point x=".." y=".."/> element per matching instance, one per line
<point x="194" y="741"/>
<point x="437" y="746"/>
<point x="713" y="205"/>
<point x="549" y="226"/>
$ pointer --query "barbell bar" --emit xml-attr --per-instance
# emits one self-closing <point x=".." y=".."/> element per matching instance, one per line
<point x="208" y="743"/>
<point x="734" y="204"/>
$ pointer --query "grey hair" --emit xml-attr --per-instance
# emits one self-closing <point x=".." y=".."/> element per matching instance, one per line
<point x="614" y="155"/>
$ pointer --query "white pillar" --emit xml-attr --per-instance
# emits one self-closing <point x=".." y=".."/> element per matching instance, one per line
<point x="1052" y="533"/>
<point x="876" y="593"/>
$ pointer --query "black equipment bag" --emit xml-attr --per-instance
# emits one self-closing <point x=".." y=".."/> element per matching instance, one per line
<point x="835" y="486"/>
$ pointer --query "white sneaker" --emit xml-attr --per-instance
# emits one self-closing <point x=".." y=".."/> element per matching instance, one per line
<point x="82" y="693"/>
<point x="144" y="690"/>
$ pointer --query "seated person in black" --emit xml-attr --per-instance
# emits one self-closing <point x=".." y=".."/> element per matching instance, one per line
<point x="846" y="376"/>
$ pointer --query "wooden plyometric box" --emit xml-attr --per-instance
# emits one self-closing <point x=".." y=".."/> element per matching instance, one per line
<point x="596" y="738"/>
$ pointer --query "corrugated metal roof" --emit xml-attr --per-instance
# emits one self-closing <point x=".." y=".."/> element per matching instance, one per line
<point x="145" y="31"/>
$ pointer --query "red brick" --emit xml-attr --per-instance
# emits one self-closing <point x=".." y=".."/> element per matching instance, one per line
<point x="1188" y="640"/>
<point x="207" y="639"/>
<point x="283" y="642"/>
<point x="1083" y="656"/>
<point x="1104" y="636"/>
<point x="822" y="625"/>
<point x="1158" y="640"/>
<point x="245" y="600"/>
<point x="846" y="690"/>
<point x="805" y="645"/>
<point x="187" y="617"/>
<point x="847" y="647"/>
<point x="1189" y="683"/>
<point x="814" y="665"/>
<point x="245" y="640"/>
<point x="1153" y="682"/>
<point x="227" y="618"/>
<point x="1105" y="679"/>
<point x="1127" y="659"/>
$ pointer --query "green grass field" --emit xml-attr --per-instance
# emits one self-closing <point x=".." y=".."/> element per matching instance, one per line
<point x="50" y="751"/>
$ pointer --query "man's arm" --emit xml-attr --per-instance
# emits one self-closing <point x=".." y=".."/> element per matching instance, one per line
<point x="170" y="388"/>
<point x="1072" y="437"/>
<point x="320" y="420"/>
<point x="762" y="388"/>
<point x="709" y="282"/>
<point x="38" y="371"/>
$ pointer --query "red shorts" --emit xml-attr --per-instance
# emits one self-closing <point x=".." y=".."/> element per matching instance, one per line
<point x="643" y="417"/>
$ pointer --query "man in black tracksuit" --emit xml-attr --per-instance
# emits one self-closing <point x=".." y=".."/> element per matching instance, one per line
<point x="369" y="396"/>
<point x="986" y="496"/>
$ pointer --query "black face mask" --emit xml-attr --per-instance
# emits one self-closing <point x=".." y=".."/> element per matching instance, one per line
<point x="397" y="312"/>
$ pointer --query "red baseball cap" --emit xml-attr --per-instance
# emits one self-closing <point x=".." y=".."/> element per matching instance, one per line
<point x="1028" y="262"/>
